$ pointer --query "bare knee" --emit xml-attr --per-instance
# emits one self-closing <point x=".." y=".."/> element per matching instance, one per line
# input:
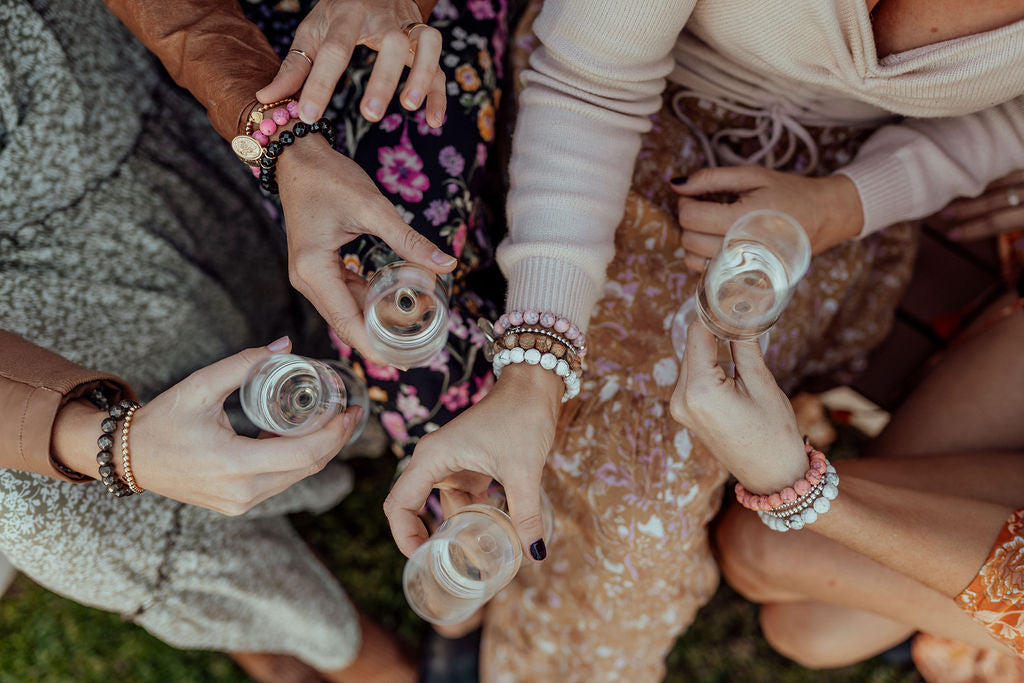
<point x="749" y="557"/>
<point x="790" y="637"/>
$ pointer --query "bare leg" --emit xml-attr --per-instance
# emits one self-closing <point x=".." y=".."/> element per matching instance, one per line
<point x="834" y="606"/>
<point x="971" y="401"/>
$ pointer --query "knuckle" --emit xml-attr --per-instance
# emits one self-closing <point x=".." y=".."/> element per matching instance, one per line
<point x="334" y="51"/>
<point x="532" y="521"/>
<point x="394" y="40"/>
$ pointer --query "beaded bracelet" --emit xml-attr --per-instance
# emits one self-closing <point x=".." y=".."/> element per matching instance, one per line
<point x="104" y="458"/>
<point x="126" y="461"/>
<point x="249" y="146"/>
<point x="545" y="360"/>
<point x="546" y="319"/>
<point x="800" y="504"/>
<point x="274" y="149"/>
<point x="544" y="341"/>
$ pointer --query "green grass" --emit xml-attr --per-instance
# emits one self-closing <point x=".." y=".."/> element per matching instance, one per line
<point x="44" y="637"/>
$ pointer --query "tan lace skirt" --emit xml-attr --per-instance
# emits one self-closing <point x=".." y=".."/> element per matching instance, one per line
<point x="629" y="561"/>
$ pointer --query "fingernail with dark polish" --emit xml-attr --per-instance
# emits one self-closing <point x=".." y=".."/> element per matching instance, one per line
<point x="679" y="180"/>
<point x="538" y="550"/>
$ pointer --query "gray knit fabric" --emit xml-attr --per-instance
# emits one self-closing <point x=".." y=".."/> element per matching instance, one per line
<point x="132" y="241"/>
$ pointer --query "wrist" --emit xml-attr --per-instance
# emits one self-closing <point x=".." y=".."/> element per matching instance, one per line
<point x="774" y="470"/>
<point x="534" y="384"/>
<point x="75" y="430"/>
<point x="849" y="218"/>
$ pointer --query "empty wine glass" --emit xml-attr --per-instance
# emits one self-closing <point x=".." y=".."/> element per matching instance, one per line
<point x="470" y="557"/>
<point x="292" y="395"/>
<point x="406" y="310"/>
<point x="746" y="286"/>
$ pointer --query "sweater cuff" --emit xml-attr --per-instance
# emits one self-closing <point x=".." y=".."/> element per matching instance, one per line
<point x="551" y="284"/>
<point x="885" y="189"/>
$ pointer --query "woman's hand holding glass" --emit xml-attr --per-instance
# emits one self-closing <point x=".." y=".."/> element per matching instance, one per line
<point x="506" y="436"/>
<point x="746" y="421"/>
<point x="828" y="208"/>
<point x="183" y="447"/>
<point x="328" y="201"/>
<point x="329" y="34"/>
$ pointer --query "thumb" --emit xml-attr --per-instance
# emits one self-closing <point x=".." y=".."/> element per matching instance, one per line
<point x="524" y="508"/>
<point x="289" y="79"/>
<point x="722" y="179"/>
<point x="412" y="246"/>
<point x="216" y="381"/>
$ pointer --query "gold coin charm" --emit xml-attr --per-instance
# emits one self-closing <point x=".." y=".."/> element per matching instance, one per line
<point x="247" y="148"/>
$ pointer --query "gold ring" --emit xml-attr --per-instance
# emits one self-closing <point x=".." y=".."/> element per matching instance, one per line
<point x="409" y="28"/>
<point x="302" y="54"/>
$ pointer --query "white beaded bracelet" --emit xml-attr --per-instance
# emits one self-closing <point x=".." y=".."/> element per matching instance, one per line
<point x="548" y="361"/>
<point x="807" y="508"/>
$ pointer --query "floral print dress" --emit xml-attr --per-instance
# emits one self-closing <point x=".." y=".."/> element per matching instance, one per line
<point x="443" y="184"/>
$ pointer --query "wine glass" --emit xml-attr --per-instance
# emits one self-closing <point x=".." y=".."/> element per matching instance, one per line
<point x="292" y="395"/>
<point x="471" y="556"/>
<point x="406" y="310"/>
<point x="746" y="286"/>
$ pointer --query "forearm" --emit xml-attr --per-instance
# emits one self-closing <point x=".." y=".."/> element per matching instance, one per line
<point x="587" y="101"/>
<point x="937" y="539"/>
<point x="209" y="48"/>
<point x="913" y="169"/>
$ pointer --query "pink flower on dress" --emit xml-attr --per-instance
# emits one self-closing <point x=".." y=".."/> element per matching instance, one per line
<point x="483" y="385"/>
<point x="450" y="159"/>
<point x="457" y="326"/>
<point x="401" y="171"/>
<point x="459" y="240"/>
<point x="394" y="425"/>
<point x="439" y="363"/>
<point x="481" y="154"/>
<point x="344" y="350"/>
<point x="383" y="372"/>
<point x="456" y="397"/>
<point x="437" y="212"/>
<point x="425" y="128"/>
<point x="481" y="9"/>
<point x="409" y="405"/>
<point x="391" y="122"/>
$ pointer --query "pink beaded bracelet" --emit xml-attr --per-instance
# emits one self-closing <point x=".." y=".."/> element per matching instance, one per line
<point x="790" y="494"/>
<point x="266" y="118"/>
<point x="562" y="326"/>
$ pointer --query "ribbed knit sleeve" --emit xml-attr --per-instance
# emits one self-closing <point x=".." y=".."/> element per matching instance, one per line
<point x="588" y="95"/>
<point x="913" y="169"/>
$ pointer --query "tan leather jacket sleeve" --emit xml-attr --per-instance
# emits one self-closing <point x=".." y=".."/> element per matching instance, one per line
<point x="211" y="49"/>
<point x="34" y="384"/>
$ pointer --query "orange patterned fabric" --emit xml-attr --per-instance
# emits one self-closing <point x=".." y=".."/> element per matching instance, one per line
<point x="995" y="598"/>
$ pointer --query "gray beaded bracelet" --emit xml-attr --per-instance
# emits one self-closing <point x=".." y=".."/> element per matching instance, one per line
<point x="105" y="458"/>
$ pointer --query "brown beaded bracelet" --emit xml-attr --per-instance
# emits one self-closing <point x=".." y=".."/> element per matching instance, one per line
<point x="116" y="413"/>
<point x="544" y="341"/>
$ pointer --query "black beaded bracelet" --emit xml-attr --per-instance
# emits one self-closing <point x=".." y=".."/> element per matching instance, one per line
<point x="274" y="149"/>
<point x="105" y="457"/>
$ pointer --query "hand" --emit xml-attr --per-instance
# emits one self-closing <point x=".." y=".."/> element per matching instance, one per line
<point x="506" y="436"/>
<point x="183" y="447"/>
<point x="828" y="209"/>
<point x="329" y="34"/>
<point x="999" y="208"/>
<point x="328" y="201"/>
<point x="746" y="421"/>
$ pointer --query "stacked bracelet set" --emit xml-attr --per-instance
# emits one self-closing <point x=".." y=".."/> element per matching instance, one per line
<point x="798" y="505"/>
<point x="542" y="339"/>
<point x="255" y="148"/>
<point x="108" y="427"/>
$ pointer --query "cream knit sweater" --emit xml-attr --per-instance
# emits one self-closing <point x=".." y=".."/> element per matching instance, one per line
<point x="601" y="69"/>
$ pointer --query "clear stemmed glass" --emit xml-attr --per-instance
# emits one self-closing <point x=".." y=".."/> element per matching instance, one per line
<point x="472" y="555"/>
<point x="292" y="395"/>
<point x="746" y="286"/>
<point x="406" y="310"/>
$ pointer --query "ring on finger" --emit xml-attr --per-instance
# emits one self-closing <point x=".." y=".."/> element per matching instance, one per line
<point x="412" y="26"/>
<point x="1012" y="197"/>
<point x="302" y="54"/>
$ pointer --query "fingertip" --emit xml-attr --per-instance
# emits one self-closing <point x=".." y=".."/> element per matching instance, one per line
<point x="443" y="260"/>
